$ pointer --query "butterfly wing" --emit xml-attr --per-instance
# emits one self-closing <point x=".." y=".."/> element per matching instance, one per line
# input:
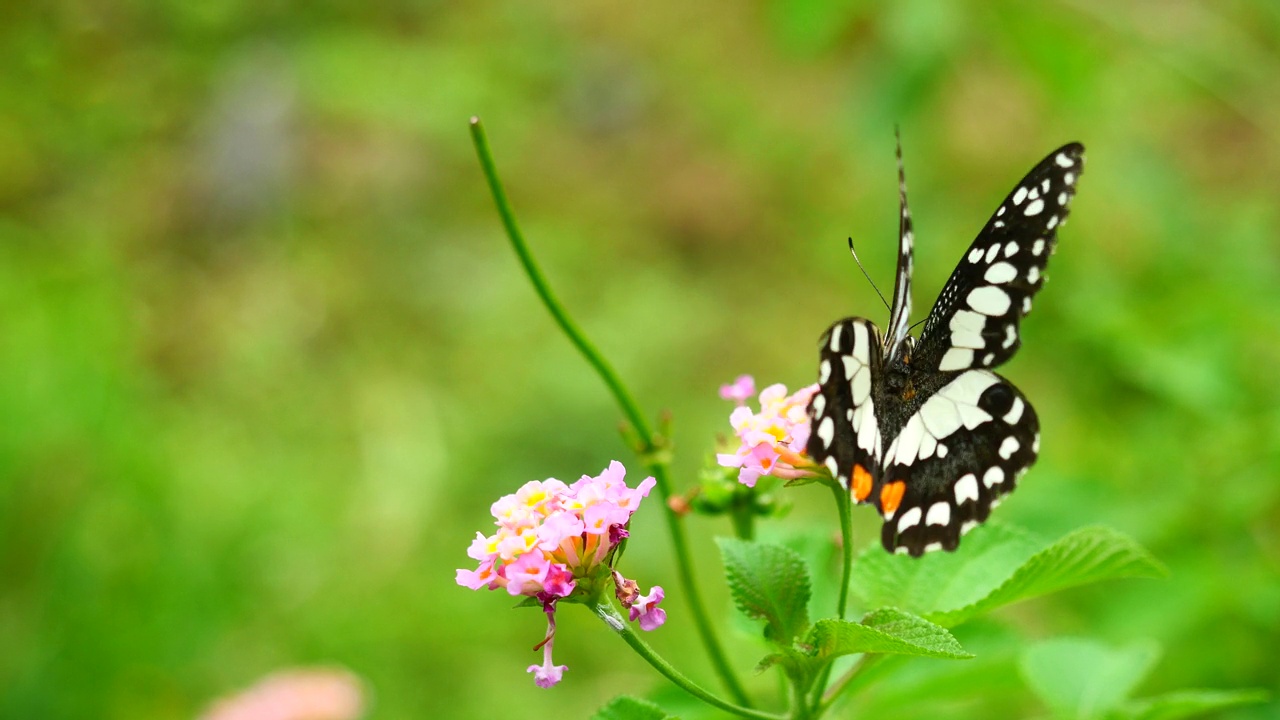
<point x="845" y="434"/>
<point x="900" y="314"/>
<point x="959" y="452"/>
<point x="975" y="321"/>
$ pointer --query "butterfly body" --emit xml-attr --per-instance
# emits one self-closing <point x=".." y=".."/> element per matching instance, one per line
<point x="924" y="430"/>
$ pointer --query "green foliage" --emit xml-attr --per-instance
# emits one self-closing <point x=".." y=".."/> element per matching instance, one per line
<point x="626" y="707"/>
<point x="768" y="582"/>
<point x="1188" y="703"/>
<point x="1085" y="679"/>
<point x="999" y="566"/>
<point x="887" y="631"/>
<point x="265" y="357"/>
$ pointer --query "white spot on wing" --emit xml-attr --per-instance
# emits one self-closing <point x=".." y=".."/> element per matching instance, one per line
<point x="1010" y="248"/>
<point x="966" y="488"/>
<point x="824" y="371"/>
<point x="989" y="300"/>
<point x="850" y="366"/>
<point x="1045" y="185"/>
<point x="835" y="337"/>
<point x="1053" y="222"/>
<point x="1062" y="160"/>
<point x="826" y="431"/>
<point x="993" y="476"/>
<point x="1019" y="196"/>
<point x="819" y="404"/>
<point x="1037" y="247"/>
<point x="1033" y="274"/>
<point x="1001" y="272"/>
<point x="831" y="465"/>
<point x="939" y="514"/>
<point x="992" y="251"/>
<point x="1026" y="305"/>
<point x="975" y="255"/>
<point x="956" y="359"/>
<point x="1009" y="447"/>
<point x="1010" y="336"/>
<point x="861" y="385"/>
<point x="1015" y="412"/>
<point x="1034" y="207"/>
<point x="909" y="519"/>
<point x="1069" y="178"/>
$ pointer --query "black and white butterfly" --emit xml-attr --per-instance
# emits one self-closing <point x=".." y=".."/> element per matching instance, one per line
<point x="925" y="430"/>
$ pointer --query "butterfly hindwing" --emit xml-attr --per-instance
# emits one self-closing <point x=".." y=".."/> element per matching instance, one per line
<point x="964" y="448"/>
<point x="975" y="321"/>
<point x="845" y="435"/>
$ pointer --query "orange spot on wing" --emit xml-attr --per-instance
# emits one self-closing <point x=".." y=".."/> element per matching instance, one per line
<point x="861" y="483"/>
<point x="891" y="497"/>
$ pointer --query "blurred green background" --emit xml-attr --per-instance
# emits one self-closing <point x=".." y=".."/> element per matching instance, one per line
<point x="266" y="358"/>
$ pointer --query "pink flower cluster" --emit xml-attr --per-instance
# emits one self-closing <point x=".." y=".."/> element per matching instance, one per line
<point x="295" y="694"/>
<point x="553" y="539"/>
<point x="771" y="441"/>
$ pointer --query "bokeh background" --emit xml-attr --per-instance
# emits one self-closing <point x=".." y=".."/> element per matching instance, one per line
<point x="266" y="357"/>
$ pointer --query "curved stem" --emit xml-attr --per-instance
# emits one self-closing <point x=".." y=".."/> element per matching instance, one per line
<point x="675" y="526"/>
<point x="844" y="506"/>
<point x="605" y="610"/>
<point x="840" y="686"/>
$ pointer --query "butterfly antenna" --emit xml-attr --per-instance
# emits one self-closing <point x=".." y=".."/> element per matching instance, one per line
<point x="867" y="275"/>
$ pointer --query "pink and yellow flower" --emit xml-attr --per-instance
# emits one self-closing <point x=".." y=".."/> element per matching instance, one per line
<point x="556" y="540"/>
<point x="771" y="441"/>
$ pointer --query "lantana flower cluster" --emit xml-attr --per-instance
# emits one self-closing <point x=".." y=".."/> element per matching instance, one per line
<point x="557" y="541"/>
<point x="771" y="441"/>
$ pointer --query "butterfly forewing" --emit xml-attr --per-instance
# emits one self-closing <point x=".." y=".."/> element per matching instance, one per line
<point x="900" y="314"/>
<point x="845" y="434"/>
<point x="975" y="321"/>
<point x="963" y="449"/>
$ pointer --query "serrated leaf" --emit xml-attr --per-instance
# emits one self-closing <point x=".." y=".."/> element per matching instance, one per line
<point x="943" y="581"/>
<point x="625" y="707"/>
<point x="1085" y="679"/>
<point x="1188" y="703"/>
<point x="1088" y="555"/>
<point x="887" y="631"/>
<point x="768" y="582"/>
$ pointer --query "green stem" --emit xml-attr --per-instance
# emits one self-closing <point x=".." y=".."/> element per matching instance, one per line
<point x="863" y="664"/>
<point x="605" y="610"/>
<point x="844" y="506"/>
<point x="675" y="526"/>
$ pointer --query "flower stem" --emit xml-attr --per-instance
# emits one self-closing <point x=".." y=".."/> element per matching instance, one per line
<point x="844" y="507"/>
<point x="863" y="664"/>
<point x="675" y="526"/>
<point x="605" y="610"/>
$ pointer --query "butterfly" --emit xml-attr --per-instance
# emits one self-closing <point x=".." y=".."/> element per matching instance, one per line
<point x="925" y="431"/>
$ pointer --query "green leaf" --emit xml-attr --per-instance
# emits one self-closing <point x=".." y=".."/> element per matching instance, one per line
<point x="768" y="582"/>
<point x="1188" y="703"/>
<point x="1088" y="555"/>
<point x="996" y="565"/>
<point x="1085" y="679"/>
<point x="625" y="707"/>
<point x="941" y="581"/>
<point x="886" y="631"/>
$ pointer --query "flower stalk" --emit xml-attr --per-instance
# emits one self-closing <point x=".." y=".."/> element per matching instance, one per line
<point x="606" y="612"/>
<point x="650" y="455"/>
